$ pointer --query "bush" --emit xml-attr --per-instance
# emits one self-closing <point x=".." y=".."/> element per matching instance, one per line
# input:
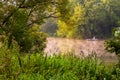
<point x="26" y="36"/>
<point x="38" y="39"/>
<point x="28" y="42"/>
<point x="113" y="45"/>
<point x="37" y="67"/>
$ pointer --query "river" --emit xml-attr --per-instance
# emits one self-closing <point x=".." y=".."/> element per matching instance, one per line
<point x="78" y="47"/>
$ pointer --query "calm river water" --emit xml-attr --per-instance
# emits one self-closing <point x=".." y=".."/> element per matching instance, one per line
<point x="79" y="47"/>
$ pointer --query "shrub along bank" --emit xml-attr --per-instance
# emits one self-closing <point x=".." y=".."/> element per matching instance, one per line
<point x="14" y="66"/>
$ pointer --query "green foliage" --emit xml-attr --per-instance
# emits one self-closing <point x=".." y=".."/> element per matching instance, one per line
<point x="99" y="19"/>
<point x="50" y="27"/>
<point x="68" y="28"/>
<point x="89" y="18"/>
<point x="28" y="39"/>
<point x="65" y="30"/>
<point x="17" y="18"/>
<point x="8" y="58"/>
<point x="113" y="45"/>
<point x="38" y="67"/>
<point x="38" y="39"/>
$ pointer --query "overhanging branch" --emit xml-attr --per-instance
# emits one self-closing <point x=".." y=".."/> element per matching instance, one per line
<point x="11" y="14"/>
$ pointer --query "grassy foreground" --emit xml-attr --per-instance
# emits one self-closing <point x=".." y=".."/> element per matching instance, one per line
<point x="37" y="67"/>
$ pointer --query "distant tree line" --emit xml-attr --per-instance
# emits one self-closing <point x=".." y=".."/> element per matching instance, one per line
<point x="88" y="18"/>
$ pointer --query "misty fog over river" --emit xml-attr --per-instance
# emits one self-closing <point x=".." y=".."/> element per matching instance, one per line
<point x="79" y="47"/>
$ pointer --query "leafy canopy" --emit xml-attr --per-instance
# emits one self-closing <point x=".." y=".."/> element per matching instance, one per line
<point x="18" y="18"/>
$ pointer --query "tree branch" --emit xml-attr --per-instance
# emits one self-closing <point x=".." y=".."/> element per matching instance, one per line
<point x="52" y="15"/>
<point x="11" y="14"/>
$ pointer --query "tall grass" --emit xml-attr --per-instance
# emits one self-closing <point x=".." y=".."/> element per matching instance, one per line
<point x="13" y="66"/>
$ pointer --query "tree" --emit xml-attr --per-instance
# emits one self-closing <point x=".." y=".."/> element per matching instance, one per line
<point x="50" y="27"/>
<point x="113" y="44"/>
<point x="93" y="18"/>
<point x="18" y="17"/>
<point x="68" y="27"/>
